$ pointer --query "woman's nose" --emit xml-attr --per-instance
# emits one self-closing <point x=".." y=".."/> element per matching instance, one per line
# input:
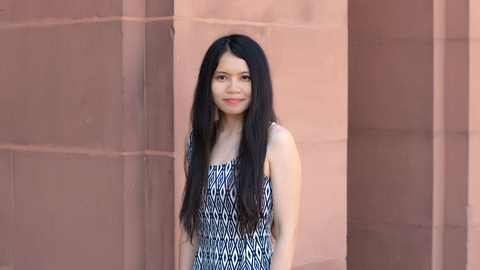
<point x="234" y="86"/>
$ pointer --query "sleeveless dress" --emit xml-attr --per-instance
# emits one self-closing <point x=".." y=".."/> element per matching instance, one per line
<point x="220" y="244"/>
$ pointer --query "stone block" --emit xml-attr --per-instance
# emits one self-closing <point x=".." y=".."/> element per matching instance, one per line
<point x="302" y="12"/>
<point x="158" y="8"/>
<point x="322" y="221"/>
<point x="337" y="263"/>
<point x="6" y="230"/>
<point x="456" y="179"/>
<point x="439" y="86"/>
<point x="68" y="211"/>
<point x="456" y="85"/>
<point x="133" y="94"/>
<point x="393" y="246"/>
<point x="474" y="86"/>
<point x="62" y="85"/>
<point x="309" y="73"/>
<point x="474" y="179"/>
<point x="159" y="86"/>
<point x="439" y="180"/>
<point x="160" y="217"/>
<point x="473" y="260"/>
<point x="390" y="19"/>
<point x="21" y="10"/>
<point x="455" y="247"/>
<point x="390" y="177"/>
<point x="456" y="19"/>
<point x="391" y="86"/>
<point x="134" y="211"/>
<point x="474" y="20"/>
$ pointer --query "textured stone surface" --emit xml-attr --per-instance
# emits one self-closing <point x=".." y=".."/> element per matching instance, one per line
<point x="6" y="229"/>
<point x="456" y="179"/>
<point x="370" y="246"/>
<point x="301" y="12"/>
<point x="473" y="260"/>
<point x="133" y="92"/>
<point x="331" y="264"/>
<point x="134" y="211"/>
<point x="456" y="85"/>
<point x="160" y="217"/>
<point x="457" y="19"/>
<point x="474" y="86"/>
<point x="390" y="177"/>
<point x="29" y="10"/>
<point x="322" y="227"/>
<point x="158" y="8"/>
<point x="474" y="20"/>
<point x="391" y="85"/>
<point x="159" y="86"/>
<point x="455" y="247"/>
<point x="474" y="180"/>
<point x="390" y="19"/>
<point x="310" y="85"/>
<point x="68" y="211"/>
<point x="62" y="85"/>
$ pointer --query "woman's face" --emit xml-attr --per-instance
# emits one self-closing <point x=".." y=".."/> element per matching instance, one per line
<point x="231" y="85"/>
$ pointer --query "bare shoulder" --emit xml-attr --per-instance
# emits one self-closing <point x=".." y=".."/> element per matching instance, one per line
<point x="283" y="160"/>
<point x="281" y="148"/>
<point x="279" y="137"/>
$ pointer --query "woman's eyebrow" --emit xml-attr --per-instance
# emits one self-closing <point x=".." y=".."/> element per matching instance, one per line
<point x="224" y="72"/>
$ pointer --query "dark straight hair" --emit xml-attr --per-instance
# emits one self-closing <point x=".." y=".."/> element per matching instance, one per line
<point x="249" y="170"/>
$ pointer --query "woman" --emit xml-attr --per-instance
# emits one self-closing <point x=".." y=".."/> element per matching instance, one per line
<point x="243" y="170"/>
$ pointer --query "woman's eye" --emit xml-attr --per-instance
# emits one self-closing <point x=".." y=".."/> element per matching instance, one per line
<point x="245" y="78"/>
<point x="221" y="77"/>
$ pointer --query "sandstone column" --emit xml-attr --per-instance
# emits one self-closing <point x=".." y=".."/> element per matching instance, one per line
<point x="412" y="135"/>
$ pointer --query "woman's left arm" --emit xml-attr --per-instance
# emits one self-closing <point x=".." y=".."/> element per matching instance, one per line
<point x="286" y="177"/>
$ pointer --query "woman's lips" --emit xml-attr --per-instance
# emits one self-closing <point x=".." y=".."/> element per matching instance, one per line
<point x="233" y="100"/>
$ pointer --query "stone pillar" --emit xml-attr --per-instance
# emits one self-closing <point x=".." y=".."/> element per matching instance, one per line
<point x="160" y="215"/>
<point x="411" y="135"/>
<point x="473" y="210"/>
<point x="77" y="174"/>
<point x="306" y="44"/>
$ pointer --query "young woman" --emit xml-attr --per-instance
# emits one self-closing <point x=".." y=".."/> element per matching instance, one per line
<point x="243" y="170"/>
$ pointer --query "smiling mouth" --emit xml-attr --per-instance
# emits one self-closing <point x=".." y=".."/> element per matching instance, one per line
<point x="234" y="100"/>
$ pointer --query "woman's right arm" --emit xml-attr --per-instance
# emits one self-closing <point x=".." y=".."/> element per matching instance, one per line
<point x="187" y="251"/>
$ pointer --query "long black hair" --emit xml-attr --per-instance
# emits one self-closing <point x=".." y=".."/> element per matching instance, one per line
<point x="249" y="170"/>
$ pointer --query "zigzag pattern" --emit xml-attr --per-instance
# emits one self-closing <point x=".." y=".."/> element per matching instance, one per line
<point x="220" y="244"/>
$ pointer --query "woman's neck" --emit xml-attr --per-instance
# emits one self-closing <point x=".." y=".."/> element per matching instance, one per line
<point x="231" y="124"/>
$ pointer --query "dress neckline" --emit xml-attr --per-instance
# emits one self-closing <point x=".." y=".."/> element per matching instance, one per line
<point x="224" y="164"/>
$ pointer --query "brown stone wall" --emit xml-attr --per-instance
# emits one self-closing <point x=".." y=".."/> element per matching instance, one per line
<point x="390" y="153"/>
<point x="94" y="106"/>
<point x="74" y="162"/>
<point x="412" y="130"/>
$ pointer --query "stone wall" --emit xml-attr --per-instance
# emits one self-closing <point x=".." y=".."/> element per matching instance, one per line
<point x="95" y="97"/>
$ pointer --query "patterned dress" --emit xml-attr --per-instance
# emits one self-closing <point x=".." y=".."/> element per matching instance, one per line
<point x="220" y="245"/>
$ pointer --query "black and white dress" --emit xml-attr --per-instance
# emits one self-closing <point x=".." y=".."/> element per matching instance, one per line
<point x="220" y="244"/>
